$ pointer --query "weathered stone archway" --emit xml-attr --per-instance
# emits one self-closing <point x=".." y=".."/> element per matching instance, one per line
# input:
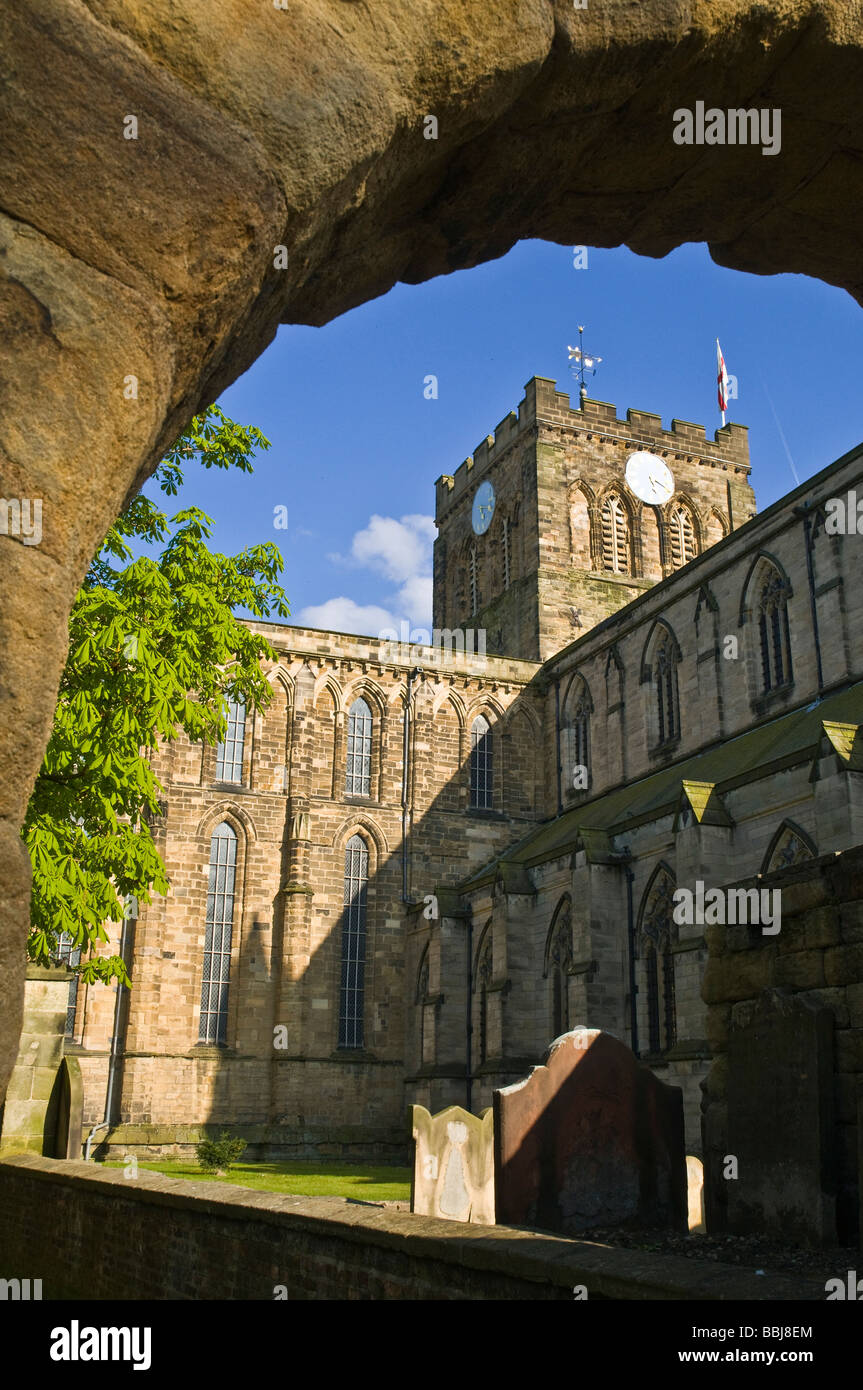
<point x="304" y="127"/>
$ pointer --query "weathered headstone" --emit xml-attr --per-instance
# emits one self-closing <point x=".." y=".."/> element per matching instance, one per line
<point x="453" y="1171"/>
<point x="780" y="1119"/>
<point x="589" y="1138"/>
<point x="695" y="1195"/>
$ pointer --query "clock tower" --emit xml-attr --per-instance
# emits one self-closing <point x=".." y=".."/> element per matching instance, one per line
<point x="562" y="516"/>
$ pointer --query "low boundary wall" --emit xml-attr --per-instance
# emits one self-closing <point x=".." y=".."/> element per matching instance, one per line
<point x="91" y="1233"/>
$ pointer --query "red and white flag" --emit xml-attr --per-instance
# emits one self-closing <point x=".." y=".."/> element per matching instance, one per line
<point x="721" y="381"/>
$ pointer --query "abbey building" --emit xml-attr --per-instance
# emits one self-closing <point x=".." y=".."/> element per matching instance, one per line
<point x="414" y="870"/>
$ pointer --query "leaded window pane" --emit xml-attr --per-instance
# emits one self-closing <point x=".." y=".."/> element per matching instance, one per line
<point x="217" y="938"/>
<point x="359" y="764"/>
<point x="229" y="755"/>
<point x="351" y="1005"/>
<point x="481" y="768"/>
<point x="70" y="954"/>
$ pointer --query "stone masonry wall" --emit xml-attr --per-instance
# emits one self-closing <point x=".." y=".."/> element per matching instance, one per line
<point x="818" y="954"/>
<point x="203" y="1240"/>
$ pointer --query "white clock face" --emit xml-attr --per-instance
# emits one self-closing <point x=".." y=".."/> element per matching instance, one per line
<point x="649" y="477"/>
<point x="483" y="508"/>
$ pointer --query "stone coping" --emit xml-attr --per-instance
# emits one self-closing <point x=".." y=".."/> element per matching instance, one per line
<point x="606" y="1271"/>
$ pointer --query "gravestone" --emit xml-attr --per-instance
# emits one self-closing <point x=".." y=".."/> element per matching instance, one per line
<point x="453" y="1170"/>
<point x="589" y="1138"/>
<point x="695" y="1195"/>
<point x="780" y="1120"/>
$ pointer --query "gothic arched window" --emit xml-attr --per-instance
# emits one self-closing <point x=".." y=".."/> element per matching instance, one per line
<point x="682" y="537"/>
<point x="70" y="955"/>
<point x="217" y="937"/>
<point x="351" y="995"/>
<point x="615" y="536"/>
<point x="481" y="765"/>
<point x="229" y="755"/>
<point x="576" y="736"/>
<point x="558" y="961"/>
<point x="788" y="848"/>
<point x="358" y="774"/>
<point x="473" y="583"/>
<point x="581" y="732"/>
<point x="657" y="934"/>
<point x="665" y="682"/>
<point x="773" y="631"/>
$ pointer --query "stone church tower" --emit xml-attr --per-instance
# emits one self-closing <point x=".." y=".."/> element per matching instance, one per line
<point x="540" y="537"/>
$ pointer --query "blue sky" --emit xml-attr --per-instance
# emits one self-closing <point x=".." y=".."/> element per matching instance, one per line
<point x="356" y="447"/>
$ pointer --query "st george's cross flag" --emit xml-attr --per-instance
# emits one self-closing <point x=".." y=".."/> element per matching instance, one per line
<point x="721" y="381"/>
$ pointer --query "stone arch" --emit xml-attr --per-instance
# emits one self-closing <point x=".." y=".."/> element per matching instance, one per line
<point x="278" y="675"/>
<point x="791" y="843"/>
<point x="485" y="704"/>
<point x="681" y="545"/>
<point x="615" y="675"/>
<point x="326" y="684"/>
<point x="660" y="664"/>
<point x="655" y="938"/>
<point x="556" y="962"/>
<point x="581" y="505"/>
<point x="231" y="812"/>
<point x="446" y="697"/>
<point x="577" y="690"/>
<point x="450" y="741"/>
<point x="661" y="630"/>
<point x="614" y="530"/>
<point x="765" y="613"/>
<point x="714" y="527"/>
<point x="193" y="307"/>
<point x="367" y="829"/>
<point x="575" y="735"/>
<point x="762" y="561"/>
<point x="362" y="688"/>
<point x="521" y="740"/>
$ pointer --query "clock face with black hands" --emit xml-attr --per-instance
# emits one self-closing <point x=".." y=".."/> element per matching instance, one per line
<point x="649" y="477"/>
<point x="483" y="508"/>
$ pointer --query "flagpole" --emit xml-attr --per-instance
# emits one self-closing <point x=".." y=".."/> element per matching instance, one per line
<point x="719" y="375"/>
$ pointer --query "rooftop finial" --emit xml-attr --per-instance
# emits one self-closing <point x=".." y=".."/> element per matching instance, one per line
<point x="582" y="362"/>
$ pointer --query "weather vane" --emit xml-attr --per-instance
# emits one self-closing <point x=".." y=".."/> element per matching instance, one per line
<point x="582" y="362"/>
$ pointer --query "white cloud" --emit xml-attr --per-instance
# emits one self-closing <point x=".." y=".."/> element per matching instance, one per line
<point x="401" y="551"/>
<point x="397" y="549"/>
<point x="344" y="615"/>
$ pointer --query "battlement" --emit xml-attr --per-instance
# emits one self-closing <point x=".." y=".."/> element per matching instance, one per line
<point x="543" y="404"/>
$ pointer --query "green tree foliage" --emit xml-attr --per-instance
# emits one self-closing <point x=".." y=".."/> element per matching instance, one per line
<point x="154" y="652"/>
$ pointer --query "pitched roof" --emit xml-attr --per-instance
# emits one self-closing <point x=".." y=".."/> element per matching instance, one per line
<point x="786" y="741"/>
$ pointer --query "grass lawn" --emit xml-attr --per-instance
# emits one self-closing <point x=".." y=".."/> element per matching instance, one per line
<point x="299" y="1178"/>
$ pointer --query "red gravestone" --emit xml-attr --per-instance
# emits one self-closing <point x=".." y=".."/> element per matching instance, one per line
<point x="589" y="1138"/>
